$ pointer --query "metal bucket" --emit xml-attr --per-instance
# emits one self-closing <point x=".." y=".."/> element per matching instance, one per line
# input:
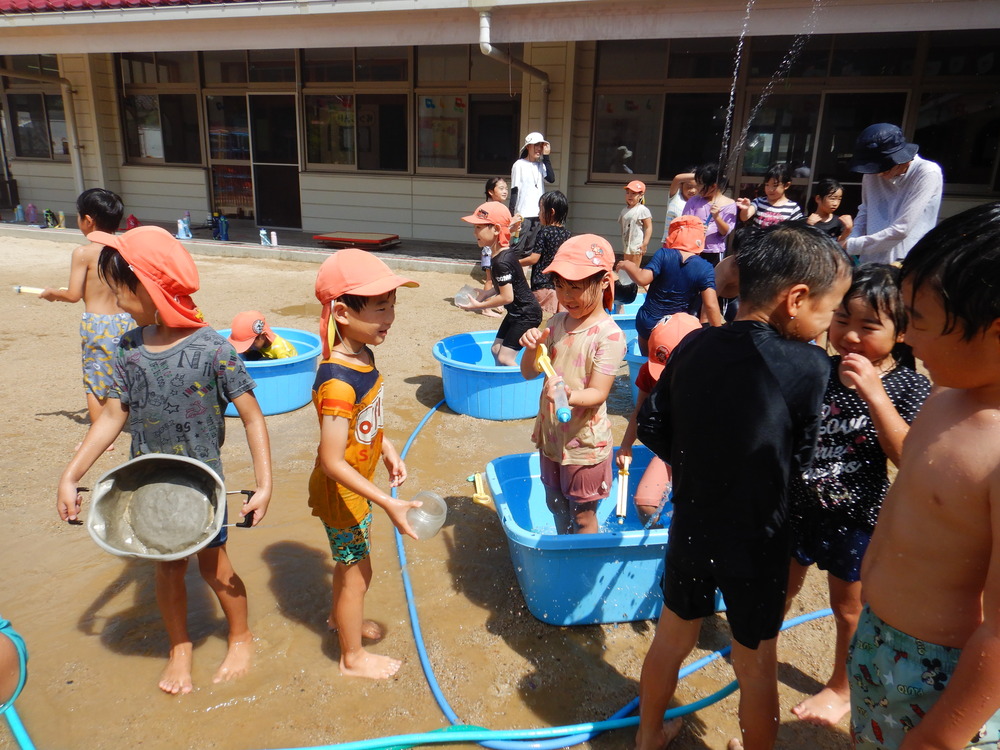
<point x="157" y="507"/>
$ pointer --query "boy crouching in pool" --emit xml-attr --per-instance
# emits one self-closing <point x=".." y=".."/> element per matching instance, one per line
<point x="924" y="665"/>
<point x="358" y="294"/>
<point x="730" y="525"/>
<point x="173" y="377"/>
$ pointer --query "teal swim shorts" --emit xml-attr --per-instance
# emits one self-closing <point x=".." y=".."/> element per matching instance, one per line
<point x="350" y="545"/>
<point x="895" y="680"/>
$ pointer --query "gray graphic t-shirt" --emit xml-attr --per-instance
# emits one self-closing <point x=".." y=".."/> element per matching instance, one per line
<point x="176" y="398"/>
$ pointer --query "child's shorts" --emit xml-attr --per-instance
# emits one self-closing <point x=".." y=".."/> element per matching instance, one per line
<point x="350" y="545"/>
<point x="99" y="335"/>
<point x="836" y="549"/>
<point x="512" y="328"/>
<point x="578" y="484"/>
<point x="895" y="680"/>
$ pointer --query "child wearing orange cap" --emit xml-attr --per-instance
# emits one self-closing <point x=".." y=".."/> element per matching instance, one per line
<point x="636" y="222"/>
<point x="491" y="222"/>
<point x="656" y="480"/>
<point x="586" y="347"/>
<point x="173" y="377"/>
<point x="358" y="294"/>
<point x="677" y="279"/>
<point x="253" y="339"/>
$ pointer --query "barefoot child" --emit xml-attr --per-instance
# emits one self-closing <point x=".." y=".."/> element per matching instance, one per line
<point x="103" y="323"/>
<point x="924" y="666"/>
<point x="173" y="377"/>
<point x="729" y="528"/>
<point x="869" y="404"/>
<point x="636" y="222"/>
<point x="491" y="223"/>
<point x="358" y="294"/>
<point x="586" y="347"/>
<point x="829" y="194"/>
<point x="656" y="481"/>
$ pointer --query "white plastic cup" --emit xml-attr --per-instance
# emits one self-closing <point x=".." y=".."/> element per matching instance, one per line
<point x="427" y="520"/>
<point x="465" y="295"/>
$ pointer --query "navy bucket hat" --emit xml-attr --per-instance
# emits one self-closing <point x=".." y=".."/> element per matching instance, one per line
<point x="880" y="147"/>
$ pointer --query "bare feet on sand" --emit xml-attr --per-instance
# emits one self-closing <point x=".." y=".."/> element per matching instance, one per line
<point x="825" y="709"/>
<point x="668" y="734"/>
<point x="370" y="629"/>
<point x="176" y="676"/>
<point x="372" y="666"/>
<point x="489" y="312"/>
<point x="237" y="661"/>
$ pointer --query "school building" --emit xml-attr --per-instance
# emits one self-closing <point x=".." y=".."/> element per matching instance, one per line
<point x="388" y="115"/>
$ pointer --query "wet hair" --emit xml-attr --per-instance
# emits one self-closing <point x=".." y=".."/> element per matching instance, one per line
<point x="554" y="206"/>
<point x="707" y="175"/>
<point x="826" y="187"/>
<point x="115" y="271"/>
<point x="959" y="260"/>
<point x="491" y="184"/>
<point x="103" y="206"/>
<point x="354" y="302"/>
<point x="780" y="172"/>
<point x="878" y="285"/>
<point x="774" y="259"/>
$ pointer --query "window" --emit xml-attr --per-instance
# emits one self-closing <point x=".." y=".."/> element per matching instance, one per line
<point x="158" y="67"/>
<point x="45" y="65"/>
<point x="271" y="65"/>
<point x="873" y="55"/>
<point x="441" y="127"/>
<point x="692" y="133"/>
<point x="626" y="133"/>
<point x="963" y="53"/>
<point x="330" y="129"/>
<point x="327" y="65"/>
<point x="38" y="126"/>
<point x="225" y="66"/>
<point x="961" y="132"/>
<point x="382" y="132"/>
<point x="162" y="128"/>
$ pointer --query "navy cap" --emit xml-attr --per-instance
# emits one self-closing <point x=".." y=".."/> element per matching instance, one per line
<point x="879" y="148"/>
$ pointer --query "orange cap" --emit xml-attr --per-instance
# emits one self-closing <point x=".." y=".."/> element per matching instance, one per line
<point x="352" y="271"/>
<point x="687" y="233"/>
<point x="165" y="269"/>
<point x="247" y="326"/>
<point x="636" y="186"/>
<point x="583" y="256"/>
<point x="493" y="212"/>
<point x="665" y="337"/>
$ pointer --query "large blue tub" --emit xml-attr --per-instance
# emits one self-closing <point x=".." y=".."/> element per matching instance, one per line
<point x="284" y="384"/>
<point x="635" y="360"/>
<point x="475" y="386"/>
<point x="578" y="579"/>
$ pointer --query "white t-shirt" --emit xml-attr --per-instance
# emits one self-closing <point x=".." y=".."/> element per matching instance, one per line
<point x="528" y="178"/>
<point x="632" y="231"/>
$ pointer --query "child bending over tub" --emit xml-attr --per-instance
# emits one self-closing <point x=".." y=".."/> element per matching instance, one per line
<point x="586" y="347"/>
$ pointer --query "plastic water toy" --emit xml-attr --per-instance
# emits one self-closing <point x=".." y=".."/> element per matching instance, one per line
<point x="479" y="494"/>
<point x="544" y="363"/>
<point x="621" y="505"/>
<point x="428" y="519"/>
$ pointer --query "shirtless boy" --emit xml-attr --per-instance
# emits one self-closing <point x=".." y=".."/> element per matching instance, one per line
<point x="103" y="322"/>
<point x="925" y="663"/>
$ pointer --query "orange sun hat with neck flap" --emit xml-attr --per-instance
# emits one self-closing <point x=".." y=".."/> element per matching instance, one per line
<point x="583" y="256"/>
<point x="165" y="269"/>
<point x="351" y="271"/>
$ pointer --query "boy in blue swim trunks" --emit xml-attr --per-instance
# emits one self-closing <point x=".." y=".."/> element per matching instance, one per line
<point x="103" y="323"/>
<point x="173" y="378"/>
<point x="924" y="666"/>
<point x="358" y="294"/>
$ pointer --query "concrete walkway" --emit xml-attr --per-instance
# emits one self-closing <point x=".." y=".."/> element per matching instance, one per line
<point x="244" y="242"/>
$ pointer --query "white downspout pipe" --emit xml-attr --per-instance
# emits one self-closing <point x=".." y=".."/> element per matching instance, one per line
<point x="71" y="135"/>
<point x="490" y="51"/>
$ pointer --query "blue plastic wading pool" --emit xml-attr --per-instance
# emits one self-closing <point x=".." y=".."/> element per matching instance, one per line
<point x="635" y="361"/>
<point x="284" y="384"/>
<point x="475" y="386"/>
<point x="578" y="579"/>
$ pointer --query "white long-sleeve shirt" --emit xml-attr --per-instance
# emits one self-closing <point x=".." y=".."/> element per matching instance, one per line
<point x="528" y="178"/>
<point x="894" y="214"/>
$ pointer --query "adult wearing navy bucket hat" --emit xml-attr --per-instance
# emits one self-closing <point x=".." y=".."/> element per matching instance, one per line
<point x="900" y="195"/>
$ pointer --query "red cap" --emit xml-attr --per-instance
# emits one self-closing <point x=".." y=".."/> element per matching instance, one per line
<point x="165" y="269"/>
<point x="247" y="326"/>
<point x="687" y="233"/>
<point x="636" y="186"/>
<point x="493" y="212"/>
<point x="352" y="271"/>
<point x="665" y="337"/>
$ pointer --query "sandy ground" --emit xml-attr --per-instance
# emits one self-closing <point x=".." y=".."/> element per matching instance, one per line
<point x="91" y="622"/>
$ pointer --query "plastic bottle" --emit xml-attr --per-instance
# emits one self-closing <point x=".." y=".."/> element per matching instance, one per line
<point x="19" y="213"/>
<point x="263" y="237"/>
<point x="215" y="225"/>
<point x="465" y="295"/>
<point x="187" y="219"/>
<point x="274" y="237"/>
<point x="224" y="229"/>
<point x="428" y="519"/>
<point x="62" y="220"/>
<point x="31" y="214"/>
